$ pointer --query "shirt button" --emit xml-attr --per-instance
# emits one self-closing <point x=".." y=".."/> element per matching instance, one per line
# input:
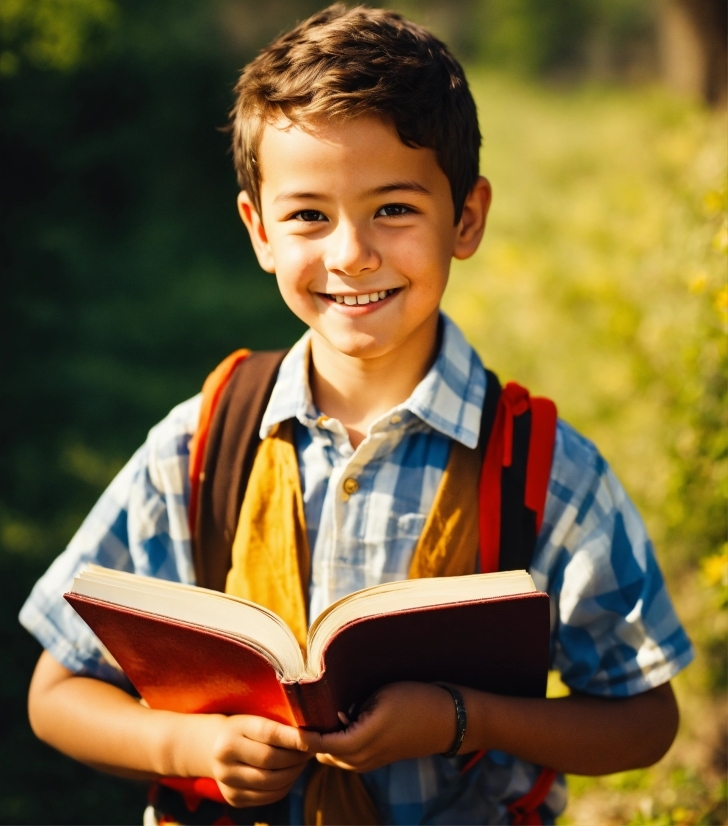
<point x="350" y="486"/>
<point x="395" y="420"/>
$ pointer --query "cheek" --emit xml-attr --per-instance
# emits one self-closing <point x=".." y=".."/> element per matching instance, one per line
<point x="426" y="263"/>
<point x="297" y="268"/>
<point x="425" y="247"/>
<point x="297" y="265"/>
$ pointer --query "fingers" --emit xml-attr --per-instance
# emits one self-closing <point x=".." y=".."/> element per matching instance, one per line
<point x="352" y="739"/>
<point x="352" y="748"/>
<point x="256" y="761"/>
<point x="275" y="734"/>
<point x="250" y="797"/>
<point x="259" y="780"/>
<point x="262" y="743"/>
<point x="400" y="721"/>
<point x="249" y="752"/>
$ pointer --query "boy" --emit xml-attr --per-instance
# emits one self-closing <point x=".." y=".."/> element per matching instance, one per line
<point x="356" y="144"/>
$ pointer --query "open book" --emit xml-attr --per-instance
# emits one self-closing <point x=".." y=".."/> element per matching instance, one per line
<point x="194" y="650"/>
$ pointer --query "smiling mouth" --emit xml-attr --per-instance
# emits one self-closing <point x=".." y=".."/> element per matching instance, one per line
<point x="361" y="298"/>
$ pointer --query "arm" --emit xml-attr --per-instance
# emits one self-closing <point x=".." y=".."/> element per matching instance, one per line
<point x="254" y="761"/>
<point x="580" y="734"/>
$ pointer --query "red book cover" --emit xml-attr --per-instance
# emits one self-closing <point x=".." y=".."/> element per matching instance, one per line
<point x="498" y="644"/>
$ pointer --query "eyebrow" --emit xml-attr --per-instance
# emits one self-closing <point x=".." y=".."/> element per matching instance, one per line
<point x="385" y="189"/>
<point x="298" y="196"/>
<point x="399" y="186"/>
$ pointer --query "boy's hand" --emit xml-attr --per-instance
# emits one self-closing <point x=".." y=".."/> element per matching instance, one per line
<point x="256" y="761"/>
<point x="399" y="722"/>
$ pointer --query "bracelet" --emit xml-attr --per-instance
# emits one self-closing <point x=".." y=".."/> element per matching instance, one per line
<point x="461" y="717"/>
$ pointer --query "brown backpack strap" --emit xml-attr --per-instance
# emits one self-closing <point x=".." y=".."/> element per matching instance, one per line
<point x="231" y="443"/>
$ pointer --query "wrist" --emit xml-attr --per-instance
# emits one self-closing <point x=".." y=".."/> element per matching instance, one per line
<point x="187" y="744"/>
<point x="483" y="711"/>
<point x="440" y="720"/>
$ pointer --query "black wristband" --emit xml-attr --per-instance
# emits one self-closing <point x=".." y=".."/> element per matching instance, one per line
<point x="462" y="719"/>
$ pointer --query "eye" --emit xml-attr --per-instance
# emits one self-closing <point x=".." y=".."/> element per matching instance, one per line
<point x="309" y="216"/>
<point x="393" y="210"/>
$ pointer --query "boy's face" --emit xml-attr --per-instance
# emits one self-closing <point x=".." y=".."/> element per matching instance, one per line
<point x="359" y="231"/>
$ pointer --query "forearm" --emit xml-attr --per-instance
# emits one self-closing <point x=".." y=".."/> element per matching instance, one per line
<point x="579" y="734"/>
<point x="102" y="726"/>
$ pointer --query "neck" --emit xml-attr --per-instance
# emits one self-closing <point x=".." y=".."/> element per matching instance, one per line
<point x="357" y="391"/>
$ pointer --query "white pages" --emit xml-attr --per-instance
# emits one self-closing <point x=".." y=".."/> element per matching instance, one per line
<point x="266" y="631"/>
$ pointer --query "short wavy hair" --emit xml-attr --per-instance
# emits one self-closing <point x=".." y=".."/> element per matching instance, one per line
<point x="342" y="64"/>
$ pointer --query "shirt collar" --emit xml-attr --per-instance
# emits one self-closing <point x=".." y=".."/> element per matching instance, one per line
<point x="449" y="398"/>
<point x="291" y="397"/>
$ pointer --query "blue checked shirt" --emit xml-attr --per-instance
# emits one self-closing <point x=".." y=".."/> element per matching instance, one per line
<point x="614" y="632"/>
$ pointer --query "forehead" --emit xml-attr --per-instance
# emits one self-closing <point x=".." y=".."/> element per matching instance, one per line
<point x="358" y="154"/>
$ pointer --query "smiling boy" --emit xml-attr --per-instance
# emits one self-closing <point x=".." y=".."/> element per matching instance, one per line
<point x="356" y="144"/>
<point x="359" y="230"/>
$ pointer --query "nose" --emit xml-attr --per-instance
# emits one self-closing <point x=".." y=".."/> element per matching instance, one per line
<point x="350" y="251"/>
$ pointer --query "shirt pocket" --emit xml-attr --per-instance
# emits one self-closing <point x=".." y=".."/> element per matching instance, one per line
<point x="409" y="526"/>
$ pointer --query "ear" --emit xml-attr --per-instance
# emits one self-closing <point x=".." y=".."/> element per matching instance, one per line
<point x="256" y="230"/>
<point x="470" y="229"/>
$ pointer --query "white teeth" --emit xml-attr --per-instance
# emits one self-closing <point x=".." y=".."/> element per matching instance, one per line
<point x="364" y="298"/>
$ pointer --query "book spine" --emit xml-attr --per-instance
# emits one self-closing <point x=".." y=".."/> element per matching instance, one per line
<point x="313" y="705"/>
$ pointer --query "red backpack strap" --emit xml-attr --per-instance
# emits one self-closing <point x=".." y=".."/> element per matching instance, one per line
<point x="514" y="479"/>
<point x="212" y="389"/>
<point x="524" y="810"/>
<point x="512" y="498"/>
<point x="540" y="455"/>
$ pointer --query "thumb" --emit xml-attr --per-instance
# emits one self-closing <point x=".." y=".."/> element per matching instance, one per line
<point x="330" y="760"/>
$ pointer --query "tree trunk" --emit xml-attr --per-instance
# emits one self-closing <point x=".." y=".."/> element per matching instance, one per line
<point x="693" y="48"/>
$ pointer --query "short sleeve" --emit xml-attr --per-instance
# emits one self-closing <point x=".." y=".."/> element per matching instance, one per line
<point x="138" y="525"/>
<point x="614" y="629"/>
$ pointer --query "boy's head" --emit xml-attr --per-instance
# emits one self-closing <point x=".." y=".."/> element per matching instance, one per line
<point x="342" y="65"/>
<point x="356" y="145"/>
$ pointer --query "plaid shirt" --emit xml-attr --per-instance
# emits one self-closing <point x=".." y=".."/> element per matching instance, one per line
<point x="613" y="629"/>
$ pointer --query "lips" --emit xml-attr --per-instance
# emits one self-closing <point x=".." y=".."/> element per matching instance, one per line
<point x="360" y="298"/>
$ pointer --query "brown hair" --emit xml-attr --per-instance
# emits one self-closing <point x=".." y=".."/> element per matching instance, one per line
<point x="343" y="64"/>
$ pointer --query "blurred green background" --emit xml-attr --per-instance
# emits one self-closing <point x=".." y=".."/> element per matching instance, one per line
<point x="127" y="276"/>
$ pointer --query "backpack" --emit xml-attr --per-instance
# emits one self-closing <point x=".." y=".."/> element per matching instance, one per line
<point x="518" y="431"/>
<point x="517" y="434"/>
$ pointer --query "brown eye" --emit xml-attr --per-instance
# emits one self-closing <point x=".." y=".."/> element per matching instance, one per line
<point x="393" y="210"/>
<point x="309" y="216"/>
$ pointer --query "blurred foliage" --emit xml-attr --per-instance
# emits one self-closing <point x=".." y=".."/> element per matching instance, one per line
<point x="604" y="38"/>
<point x="605" y="260"/>
<point x="527" y="36"/>
<point x="127" y="276"/>
<point x="51" y="34"/>
<point x="602" y="284"/>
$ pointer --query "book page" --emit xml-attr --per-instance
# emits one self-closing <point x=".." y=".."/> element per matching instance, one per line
<point x="251" y="623"/>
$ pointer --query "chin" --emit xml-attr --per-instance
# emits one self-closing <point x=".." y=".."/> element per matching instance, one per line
<point x="359" y="346"/>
